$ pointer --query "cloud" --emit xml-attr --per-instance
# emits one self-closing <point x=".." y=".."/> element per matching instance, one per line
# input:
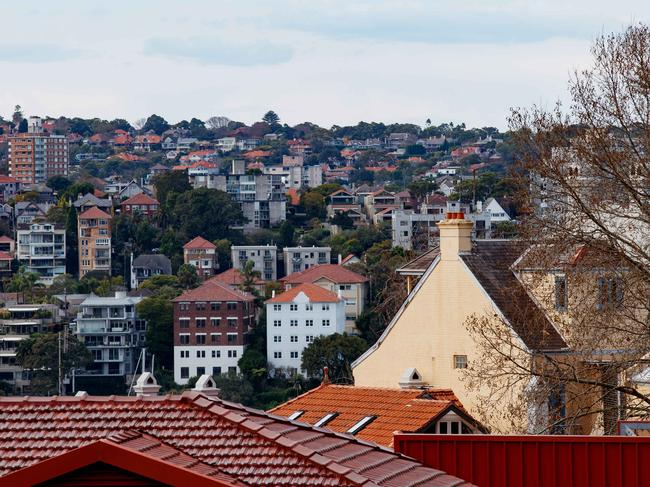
<point x="38" y="53"/>
<point x="214" y="51"/>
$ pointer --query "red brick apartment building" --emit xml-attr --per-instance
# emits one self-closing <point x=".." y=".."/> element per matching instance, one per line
<point x="141" y="203"/>
<point x="211" y="325"/>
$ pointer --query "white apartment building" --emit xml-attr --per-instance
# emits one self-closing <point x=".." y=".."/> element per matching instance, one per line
<point x="110" y="328"/>
<point x="294" y="319"/>
<point x="41" y="249"/>
<point x="298" y="259"/>
<point x="264" y="257"/>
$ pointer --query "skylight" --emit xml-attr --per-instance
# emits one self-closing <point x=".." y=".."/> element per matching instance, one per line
<point x="361" y="424"/>
<point x="326" y="419"/>
<point x="296" y="415"/>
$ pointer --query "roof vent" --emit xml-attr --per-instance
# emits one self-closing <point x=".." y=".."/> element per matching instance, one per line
<point x="206" y="386"/>
<point x="411" y="379"/>
<point x="146" y="385"/>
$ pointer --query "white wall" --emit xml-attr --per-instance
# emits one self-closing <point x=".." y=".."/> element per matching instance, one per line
<point x="221" y="359"/>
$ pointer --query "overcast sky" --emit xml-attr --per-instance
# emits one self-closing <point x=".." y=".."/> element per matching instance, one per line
<point x="330" y="62"/>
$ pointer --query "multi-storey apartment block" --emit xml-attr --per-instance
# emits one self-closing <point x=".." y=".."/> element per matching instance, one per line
<point x="36" y="156"/>
<point x="94" y="227"/>
<point x="294" y="319"/>
<point x="211" y="324"/>
<point x="298" y="259"/>
<point x="264" y="258"/>
<point x="202" y="254"/>
<point x="41" y="250"/>
<point x="112" y="331"/>
<point x="17" y="323"/>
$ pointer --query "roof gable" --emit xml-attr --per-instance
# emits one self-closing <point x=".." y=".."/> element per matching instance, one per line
<point x="306" y="292"/>
<point x="93" y="213"/>
<point x="212" y="290"/>
<point x="199" y="243"/>
<point x="333" y="272"/>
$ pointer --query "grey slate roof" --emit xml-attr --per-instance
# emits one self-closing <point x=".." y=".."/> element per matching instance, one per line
<point x="157" y="262"/>
<point x="90" y="199"/>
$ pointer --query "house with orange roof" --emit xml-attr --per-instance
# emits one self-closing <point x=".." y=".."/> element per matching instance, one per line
<point x="343" y="201"/>
<point x="379" y="200"/>
<point x="7" y="244"/>
<point x="94" y="237"/>
<point x="202" y="254"/>
<point x="257" y="154"/>
<point x="295" y="318"/>
<point x="353" y="287"/>
<point x="146" y="142"/>
<point x="376" y="413"/>
<point x="142" y="204"/>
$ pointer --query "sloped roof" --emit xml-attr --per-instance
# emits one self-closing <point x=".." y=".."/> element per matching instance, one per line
<point x="316" y="294"/>
<point x="406" y="410"/>
<point x="233" y="277"/>
<point x="94" y="212"/>
<point x="5" y="256"/>
<point x="91" y="199"/>
<point x="421" y="263"/>
<point x="140" y="199"/>
<point x="491" y="263"/>
<point x="333" y="272"/>
<point x="212" y="290"/>
<point x="7" y="179"/>
<point x="154" y="261"/>
<point x="251" y="446"/>
<point x="199" y="243"/>
<point x="6" y="239"/>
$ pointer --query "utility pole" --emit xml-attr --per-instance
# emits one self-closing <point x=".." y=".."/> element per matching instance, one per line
<point x="60" y="378"/>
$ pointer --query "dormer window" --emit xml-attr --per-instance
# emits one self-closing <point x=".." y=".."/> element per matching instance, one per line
<point x="561" y="293"/>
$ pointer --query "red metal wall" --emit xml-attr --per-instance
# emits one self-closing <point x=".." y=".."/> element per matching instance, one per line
<point x="534" y="461"/>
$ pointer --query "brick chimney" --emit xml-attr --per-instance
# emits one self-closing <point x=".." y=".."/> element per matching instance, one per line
<point x="455" y="235"/>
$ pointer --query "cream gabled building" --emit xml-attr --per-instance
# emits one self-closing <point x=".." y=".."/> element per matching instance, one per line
<point x="429" y="333"/>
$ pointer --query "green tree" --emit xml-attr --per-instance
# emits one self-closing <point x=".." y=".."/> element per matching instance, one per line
<point x="158" y="311"/>
<point x="271" y="118"/>
<point x="336" y="352"/>
<point x="287" y="232"/>
<point x="22" y="126"/>
<point x="314" y="204"/>
<point x="168" y="185"/>
<point x="23" y="282"/>
<point x="415" y="150"/>
<point x="223" y="252"/>
<point x="40" y="353"/>
<point x="253" y="365"/>
<point x="187" y="276"/>
<point x="421" y="188"/>
<point x="155" y="123"/>
<point x="160" y="282"/>
<point x="58" y="183"/>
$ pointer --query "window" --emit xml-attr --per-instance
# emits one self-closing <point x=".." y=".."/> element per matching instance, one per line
<point x="232" y="322"/>
<point x="199" y="306"/>
<point x="294" y="354"/>
<point x="185" y="339"/>
<point x="200" y="354"/>
<point x="232" y="306"/>
<point x="610" y="293"/>
<point x="185" y="372"/>
<point x="200" y="371"/>
<point x="200" y="322"/>
<point x="277" y="354"/>
<point x="325" y="419"/>
<point x="361" y="424"/>
<point x="184" y="306"/>
<point x="215" y="338"/>
<point x="200" y="339"/>
<point x="295" y="415"/>
<point x="232" y="337"/>
<point x="345" y="287"/>
<point x="561" y="295"/>
<point x="309" y="338"/>
<point x="184" y="322"/>
<point x="232" y="370"/>
<point x="216" y="354"/>
<point x="277" y="323"/>
<point x="309" y="307"/>
<point x="216" y="371"/>
<point x="326" y="322"/>
<point x="293" y="323"/>
<point x="277" y="307"/>
<point x="215" y="306"/>
<point x="294" y="339"/>
<point x="185" y="354"/>
<point x="215" y="321"/>
<point x="232" y="353"/>
<point x="326" y="307"/>
<point x="293" y="307"/>
<point x="460" y="361"/>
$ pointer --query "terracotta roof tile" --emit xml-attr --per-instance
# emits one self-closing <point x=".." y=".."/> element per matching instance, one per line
<point x="199" y="243"/>
<point x="93" y="213"/>
<point x="212" y="290"/>
<point x="234" y="277"/>
<point x="140" y="199"/>
<point x="316" y="294"/>
<point x="408" y="410"/>
<point x="333" y="272"/>
<point x="219" y="435"/>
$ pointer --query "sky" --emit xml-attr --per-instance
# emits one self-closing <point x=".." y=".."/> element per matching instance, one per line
<point x="324" y="61"/>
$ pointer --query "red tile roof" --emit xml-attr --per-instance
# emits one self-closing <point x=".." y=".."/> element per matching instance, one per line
<point x="406" y="410"/>
<point x="140" y="199"/>
<point x="94" y="212"/>
<point x="254" y="447"/>
<point x="316" y="294"/>
<point x="333" y="272"/>
<point x="5" y="256"/>
<point x="7" y="179"/>
<point x="199" y="243"/>
<point x="212" y="290"/>
<point x="293" y="197"/>
<point x="233" y="277"/>
<point x="5" y="238"/>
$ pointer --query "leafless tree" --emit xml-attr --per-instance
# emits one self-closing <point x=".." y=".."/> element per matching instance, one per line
<point x="217" y="122"/>
<point x="587" y="176"/>
<point x="139" y="123"/>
